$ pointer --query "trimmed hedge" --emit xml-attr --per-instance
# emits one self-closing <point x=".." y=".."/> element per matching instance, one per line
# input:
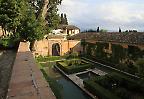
<point x="99" y="91"/>
<point x="73" y="69"/>
<point x="48" y="58"/>
<point x="131" y="84"/>
<point x="96" y="85"/>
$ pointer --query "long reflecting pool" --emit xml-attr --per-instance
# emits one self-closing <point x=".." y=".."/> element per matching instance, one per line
<point x="69" y="90"/>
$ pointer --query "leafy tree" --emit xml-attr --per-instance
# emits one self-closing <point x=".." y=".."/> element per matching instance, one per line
<point x="27" y="19"/>
<point x="47" y="10"/>
<point x="9" y="15"/>
<point x="32" y="29"/>
<point x="52" y="18"/>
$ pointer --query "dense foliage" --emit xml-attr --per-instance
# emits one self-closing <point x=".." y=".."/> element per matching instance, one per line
<point x="8" y="43"/>
<point x="28" y="20"/>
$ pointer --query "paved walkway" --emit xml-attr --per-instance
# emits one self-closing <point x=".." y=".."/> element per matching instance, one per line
<point x="27" y="81"/>
<point x="98" y="72"/>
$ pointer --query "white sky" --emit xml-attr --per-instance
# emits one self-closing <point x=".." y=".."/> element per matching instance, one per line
<point x="107" y="14"/>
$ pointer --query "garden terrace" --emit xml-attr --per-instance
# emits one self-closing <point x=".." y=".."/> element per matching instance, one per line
<point x="115" y="86"/>
<point x="73" y="65"/>
<point x="116" y="37"/>
<point x="115" y="55"/>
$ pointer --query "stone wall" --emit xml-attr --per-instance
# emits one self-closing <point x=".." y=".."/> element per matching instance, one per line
<point x="44" y="47"/>
<point x="27" y="81"/>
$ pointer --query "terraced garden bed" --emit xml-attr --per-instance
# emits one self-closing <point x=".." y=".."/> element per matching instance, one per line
<point x="73" y="65"/>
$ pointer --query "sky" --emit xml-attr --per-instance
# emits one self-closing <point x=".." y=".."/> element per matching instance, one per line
<point x="107" y="14"/>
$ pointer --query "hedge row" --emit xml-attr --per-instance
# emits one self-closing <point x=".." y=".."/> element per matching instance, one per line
<point x="73" y="69"/>
<point x="99" y="91"/>
<point x="131" y="84"/>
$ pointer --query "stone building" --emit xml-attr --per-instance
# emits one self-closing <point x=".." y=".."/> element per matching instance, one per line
<point x="66" y="30"/>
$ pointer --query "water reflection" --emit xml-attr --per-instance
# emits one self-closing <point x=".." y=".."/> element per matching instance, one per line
<point x="69" y="90"/>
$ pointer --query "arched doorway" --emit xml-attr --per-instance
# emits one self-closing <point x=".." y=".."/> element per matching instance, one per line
<point x="56" y="49"/>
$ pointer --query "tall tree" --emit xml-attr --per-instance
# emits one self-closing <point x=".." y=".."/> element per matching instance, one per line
<point x="28" y="18"/>
<point x="65" y="19"/>
<point x="61" y="19"/>
<point x="119" y="29"/>
<point x="52" y="17"/>
<point x="47" y="10"/>
<point x="9" y="15"/>
<point x="98" y="29"/>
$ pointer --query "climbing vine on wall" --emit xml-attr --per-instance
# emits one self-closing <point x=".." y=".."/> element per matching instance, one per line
<point x="122" y="58"/>
<point x="118" y="53"/>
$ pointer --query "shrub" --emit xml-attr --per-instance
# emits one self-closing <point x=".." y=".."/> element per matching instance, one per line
<point x="7" y="42"/>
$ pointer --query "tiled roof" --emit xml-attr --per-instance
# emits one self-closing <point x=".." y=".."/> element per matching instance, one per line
<point x="67" y="26"/>
<point x="126" y="37"/>
<point x="55" y="37"/>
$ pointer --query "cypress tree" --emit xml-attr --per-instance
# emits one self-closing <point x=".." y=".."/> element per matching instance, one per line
<point x="119" y="29"/>
<point x="65" y="19"/>
<point x="98" y="30"/>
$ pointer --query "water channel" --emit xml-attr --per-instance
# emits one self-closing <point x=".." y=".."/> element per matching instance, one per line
<point x="69" y="89"/>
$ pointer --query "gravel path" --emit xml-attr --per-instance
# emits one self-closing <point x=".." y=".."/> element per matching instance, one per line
<point x="6" y="62"/>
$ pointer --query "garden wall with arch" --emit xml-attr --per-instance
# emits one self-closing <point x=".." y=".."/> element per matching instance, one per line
<point x="45" y="47"/>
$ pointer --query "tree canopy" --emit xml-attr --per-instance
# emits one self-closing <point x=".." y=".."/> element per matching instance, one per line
<point x="29" y="20"/>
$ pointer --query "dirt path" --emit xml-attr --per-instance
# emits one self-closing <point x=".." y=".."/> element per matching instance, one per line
<point x="6" y="61"/>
